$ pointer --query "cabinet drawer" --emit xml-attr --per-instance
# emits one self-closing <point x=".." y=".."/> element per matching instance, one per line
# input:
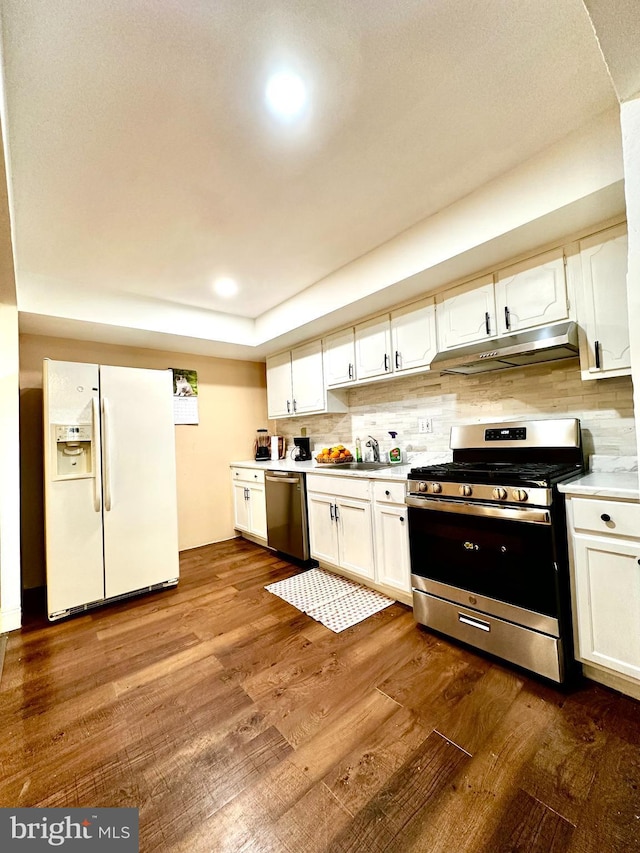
<point x="607" y="517"/>
<point x="389" y="493"/>
<point x="340" y="485"/>
<point x="247" y="475"/>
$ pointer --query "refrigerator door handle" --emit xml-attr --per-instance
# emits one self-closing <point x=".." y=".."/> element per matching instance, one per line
<point x="95" y="419"/>
<point x="106" y="455"/>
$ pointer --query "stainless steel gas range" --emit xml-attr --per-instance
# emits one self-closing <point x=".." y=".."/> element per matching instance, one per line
<point x="488" y="542"/>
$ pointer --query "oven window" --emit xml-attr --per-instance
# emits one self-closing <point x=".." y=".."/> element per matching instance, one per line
<point x="510" y="561"/>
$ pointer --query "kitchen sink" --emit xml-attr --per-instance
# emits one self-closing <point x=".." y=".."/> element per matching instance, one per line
<point x="363" y="466"/>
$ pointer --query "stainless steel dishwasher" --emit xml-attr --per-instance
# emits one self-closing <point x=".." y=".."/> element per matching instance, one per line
<point x="287" y="526"/>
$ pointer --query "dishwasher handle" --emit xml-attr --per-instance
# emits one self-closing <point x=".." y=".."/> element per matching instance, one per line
<point x="294" y="480"/>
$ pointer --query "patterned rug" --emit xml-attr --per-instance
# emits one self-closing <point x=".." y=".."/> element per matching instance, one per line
<point x="336" y="602"/>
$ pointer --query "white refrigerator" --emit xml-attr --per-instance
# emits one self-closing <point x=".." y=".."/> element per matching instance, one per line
<point x="111" y="525"/>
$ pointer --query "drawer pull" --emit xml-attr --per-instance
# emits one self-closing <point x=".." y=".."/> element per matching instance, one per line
<point x="474" y="623"/>
<point x="387" y="492"/>
<point x="402" y="519"/>
<point x="605" y="516"/>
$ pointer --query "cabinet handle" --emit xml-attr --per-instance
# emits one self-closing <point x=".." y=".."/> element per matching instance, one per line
<point x="507" y="318"/>
<point x="402" y="518"/>
<point x="605" y="516"/>
<point x="387" y="492"/>
<point x="597" y="349"/>
<point x="335" y="509"/>
<point x="486" y="322"/>
<point x="397" y="360"/>
<point x="331" y="512"/>
<point x="246" y="494"/>
<point x="288" y="407"/>
<point x="386" y="362"/>
<point x="294" y="405"/>
<point x="350" y="371"/>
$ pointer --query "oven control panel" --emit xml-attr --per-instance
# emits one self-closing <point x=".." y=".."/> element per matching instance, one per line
<point x="538" y="496"/>
<point x="506" y="434"/>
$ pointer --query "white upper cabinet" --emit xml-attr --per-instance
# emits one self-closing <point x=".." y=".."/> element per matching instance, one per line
<point x="295" y="382"/>
<point x="413" y="336"/>
<point x="340" y="358"/>
<point x="466" y="314"/>
<point x="602" y="304"/>
<point x="531" y="293"/>
<point x="279" y="393"/>
<point x="373" y="348"/>
<point x="307" y="378"/>
<point x="404" y="340"/>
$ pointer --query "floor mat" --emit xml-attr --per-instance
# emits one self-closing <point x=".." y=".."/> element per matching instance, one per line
<point x="336" y="602"/>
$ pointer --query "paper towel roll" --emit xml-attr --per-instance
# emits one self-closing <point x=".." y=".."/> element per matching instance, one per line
<point x="275" y="455"/>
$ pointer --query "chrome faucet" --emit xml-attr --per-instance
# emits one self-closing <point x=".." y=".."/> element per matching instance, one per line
<point x="373" y="444"/>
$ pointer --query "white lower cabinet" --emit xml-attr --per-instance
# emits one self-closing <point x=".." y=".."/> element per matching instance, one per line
<point x="360" y="526"/>
<point x="340" y="523"/>
<point x="393" y="567"/>
<point x="605" y="536"/>
<point x="249" y="504"/>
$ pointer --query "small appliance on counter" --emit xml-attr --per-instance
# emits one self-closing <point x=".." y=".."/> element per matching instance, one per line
<point x="277" y="448"/>
<point x="262" y="446"/>
<point x="302" y="449"/>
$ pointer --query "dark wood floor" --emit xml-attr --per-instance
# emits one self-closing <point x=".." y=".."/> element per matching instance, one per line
<point x="235" y="723"/>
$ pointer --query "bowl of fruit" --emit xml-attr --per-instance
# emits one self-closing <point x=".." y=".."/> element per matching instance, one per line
<point x="334" y="455"/>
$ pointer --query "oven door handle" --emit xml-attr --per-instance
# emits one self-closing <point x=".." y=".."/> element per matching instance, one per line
<point x="530" y="516"/>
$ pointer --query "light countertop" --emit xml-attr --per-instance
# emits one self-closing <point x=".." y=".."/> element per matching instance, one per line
<point x="393" y="472"/>
<point x="612" y="484"/>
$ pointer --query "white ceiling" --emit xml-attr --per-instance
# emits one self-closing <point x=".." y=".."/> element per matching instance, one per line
<point x="143" y="162"/>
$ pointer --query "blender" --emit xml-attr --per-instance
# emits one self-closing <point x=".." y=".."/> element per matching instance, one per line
<point x="262" y="445"/>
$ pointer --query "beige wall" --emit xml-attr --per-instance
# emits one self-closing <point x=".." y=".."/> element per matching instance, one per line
<point x="232" y="405"/>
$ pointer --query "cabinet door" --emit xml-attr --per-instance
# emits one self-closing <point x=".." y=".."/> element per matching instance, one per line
<point x="607" y="589"/>
<point x="339" y="358"/>
<point x="307" y="378"/>
<point x="373" y="348"/>
<point x="532" y="293"/>
<point x="355" y="536"/>
<point x="603" y="305"/>
<point x="392" y="547"/>
<point x="279" y="396"/>
<point x="413" y="336"/>
<point x="466" y="314"/>
<point x="241" y="518"/>
<point x="323" y="530"/>
<point x="257" y="510"/>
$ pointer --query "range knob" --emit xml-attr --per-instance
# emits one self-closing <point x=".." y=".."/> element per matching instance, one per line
<point x="500" y="494"/>
<point x="436" y="488"/>
<point x="422" y="487"/>
<point x="520" y="495"/>
<point x="465" y="491"/>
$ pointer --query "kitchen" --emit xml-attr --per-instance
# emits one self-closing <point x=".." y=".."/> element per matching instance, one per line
<point x="495" y="223"/>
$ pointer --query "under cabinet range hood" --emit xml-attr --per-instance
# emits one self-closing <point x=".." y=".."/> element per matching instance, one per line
<point x="548" y="343"/>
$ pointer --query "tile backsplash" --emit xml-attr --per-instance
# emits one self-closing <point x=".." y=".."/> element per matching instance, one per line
<point x="604" y="407"/>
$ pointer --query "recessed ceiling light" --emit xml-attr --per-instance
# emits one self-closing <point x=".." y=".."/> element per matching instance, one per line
<point x="286" y="95"/>
<point x="225" y="287"/>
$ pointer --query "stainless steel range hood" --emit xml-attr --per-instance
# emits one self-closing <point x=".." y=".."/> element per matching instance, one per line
<point x="548" y="343"/>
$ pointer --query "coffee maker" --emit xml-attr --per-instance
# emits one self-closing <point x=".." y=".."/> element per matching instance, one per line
<point x="302" y="449"/>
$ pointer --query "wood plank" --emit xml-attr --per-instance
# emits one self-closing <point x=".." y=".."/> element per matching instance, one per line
<point x="473" y="804"/>
<point x="527" y="824"/>
<point x="236" y="723"/>
<point x="409" y="796"/>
